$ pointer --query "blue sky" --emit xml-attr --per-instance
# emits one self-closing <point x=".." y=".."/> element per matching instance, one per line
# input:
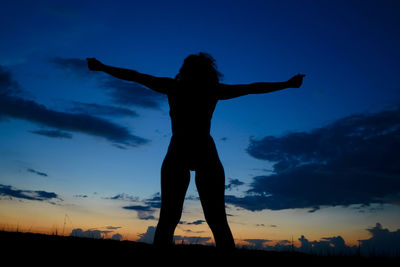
<point x="75" y="133"/>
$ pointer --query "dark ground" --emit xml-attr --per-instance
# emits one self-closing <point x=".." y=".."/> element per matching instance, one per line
<point x="28" y="249"/>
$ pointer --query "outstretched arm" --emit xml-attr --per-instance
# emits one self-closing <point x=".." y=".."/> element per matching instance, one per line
<point x="159" y="84"/>
<point x="227" y="91"/>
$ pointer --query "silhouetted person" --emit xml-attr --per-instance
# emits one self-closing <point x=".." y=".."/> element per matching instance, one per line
<point x="192" y="97"/>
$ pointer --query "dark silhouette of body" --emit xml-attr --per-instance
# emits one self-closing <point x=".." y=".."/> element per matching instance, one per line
<point x="192" y="97"/>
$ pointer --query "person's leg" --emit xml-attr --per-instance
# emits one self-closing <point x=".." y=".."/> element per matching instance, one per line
<point x="210" y="182"/>
<point x="174" y="183"/>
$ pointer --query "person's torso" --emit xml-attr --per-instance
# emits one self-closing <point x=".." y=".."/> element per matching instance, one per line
<point x="191" y="113"/>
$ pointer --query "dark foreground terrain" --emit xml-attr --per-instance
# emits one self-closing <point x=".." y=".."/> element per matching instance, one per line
<point x="28" y="249"/>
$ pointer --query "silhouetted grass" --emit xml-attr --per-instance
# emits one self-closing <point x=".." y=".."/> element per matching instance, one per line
<point x="28" y="249"/>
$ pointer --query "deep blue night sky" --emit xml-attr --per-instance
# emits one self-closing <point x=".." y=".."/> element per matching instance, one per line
<point x="319" y="161"/>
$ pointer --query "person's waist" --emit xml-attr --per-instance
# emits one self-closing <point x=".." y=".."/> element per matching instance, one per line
<point x="191" y="134"/>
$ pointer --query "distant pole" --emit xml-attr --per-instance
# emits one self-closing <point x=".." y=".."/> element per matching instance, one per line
<point x="292" y="245"/>
<point x="65" y="221"/>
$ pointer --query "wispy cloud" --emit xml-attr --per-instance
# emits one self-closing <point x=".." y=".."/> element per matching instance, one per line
<point x="233" y="183"/>
<point x="354" y="160"/>
<point x="124" y="197"/>
<point x="53" y="133"/>
<point x="143" y="212"/>
<point x="37" y="195"/>
<point x="147" y="207"/>
<point x="121" y="92"/>
<point x="197" y="222"/>
<point x="37" y="172"/>
<point x="100" y="110"/>
<point x="16" y="107"/>
<point x="81" y="196"/>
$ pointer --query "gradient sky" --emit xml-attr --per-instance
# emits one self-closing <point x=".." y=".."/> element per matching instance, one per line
<point x="319" y="161"/>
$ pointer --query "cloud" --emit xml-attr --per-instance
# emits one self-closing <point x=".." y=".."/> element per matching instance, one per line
<point x="81" y="196"/>
<point x="354" y="160"/>
<point x="53" y="133"/>
<point x="143" y="212"/>
<point x="78" y="232"/>
<point x="233" y="183"/>
<point x="31" y="111"/>
<point x="148" y="236"/>
<point x="100" y="110"/>
<point x="37" y="172"/>
<point x="154" y="201"/>
<point x="326" y="246"/>
<point x="257" y="243"/>
<point x="383" y="242"/>
<point x="147" y="207"/>
<point x="121" y="92"/>
<point x="38" y="195"/>
<point x="197" y="222"/>
<point x="117" y="237"/>
<point x="19" y="108"/>
<point x="7" y="85"/>
<point x="124" y="197"/>
<point x="94" y="233"/>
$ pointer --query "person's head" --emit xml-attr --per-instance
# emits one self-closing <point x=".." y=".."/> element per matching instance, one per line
<point x="199" y="70"/>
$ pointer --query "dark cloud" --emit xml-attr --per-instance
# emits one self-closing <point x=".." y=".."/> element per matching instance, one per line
<point x="7" y="85"/>
<point x="100" y="110"/>
<point x="143" y="212"/>
<point x="257" y="243"/>
<point x="78" y="232"/>
<point x="197" y="222"/>
<point x="124" y="197"/>
<point x="154" y="201"/>
<point x="148" y="236"/>
<point x="38" y="195"/>
<point x="121" y="92"/>
<point x="31" y="111"/>
<point x="191" y="231"/>
<point x="383" y="242"/>
<point x="95" y="233"/>
<point x="354" y="160"/>
<point x="117" y="237"/>
<point x="233" y="183"/>
<point x="19" y="108"/>
<point x="326" y="246"/>
<point x="37" y="172"/>
<point x="53" y="133"/>
<point x="81" y="196"/>
<point x="147" y="207"/>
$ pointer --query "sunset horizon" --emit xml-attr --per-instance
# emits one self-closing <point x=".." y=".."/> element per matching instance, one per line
<point x="310" y="167"/>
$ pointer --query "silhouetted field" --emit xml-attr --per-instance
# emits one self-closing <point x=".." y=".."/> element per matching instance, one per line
<point x="28" y="249"/>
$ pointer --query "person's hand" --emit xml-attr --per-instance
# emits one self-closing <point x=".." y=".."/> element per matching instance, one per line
<point x="94" y="64"/>
<point x="296" y="81"/>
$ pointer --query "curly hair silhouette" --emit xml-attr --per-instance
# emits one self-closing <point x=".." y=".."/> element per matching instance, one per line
<point x="192" y="98"/>
<point x="199" y="69"/>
